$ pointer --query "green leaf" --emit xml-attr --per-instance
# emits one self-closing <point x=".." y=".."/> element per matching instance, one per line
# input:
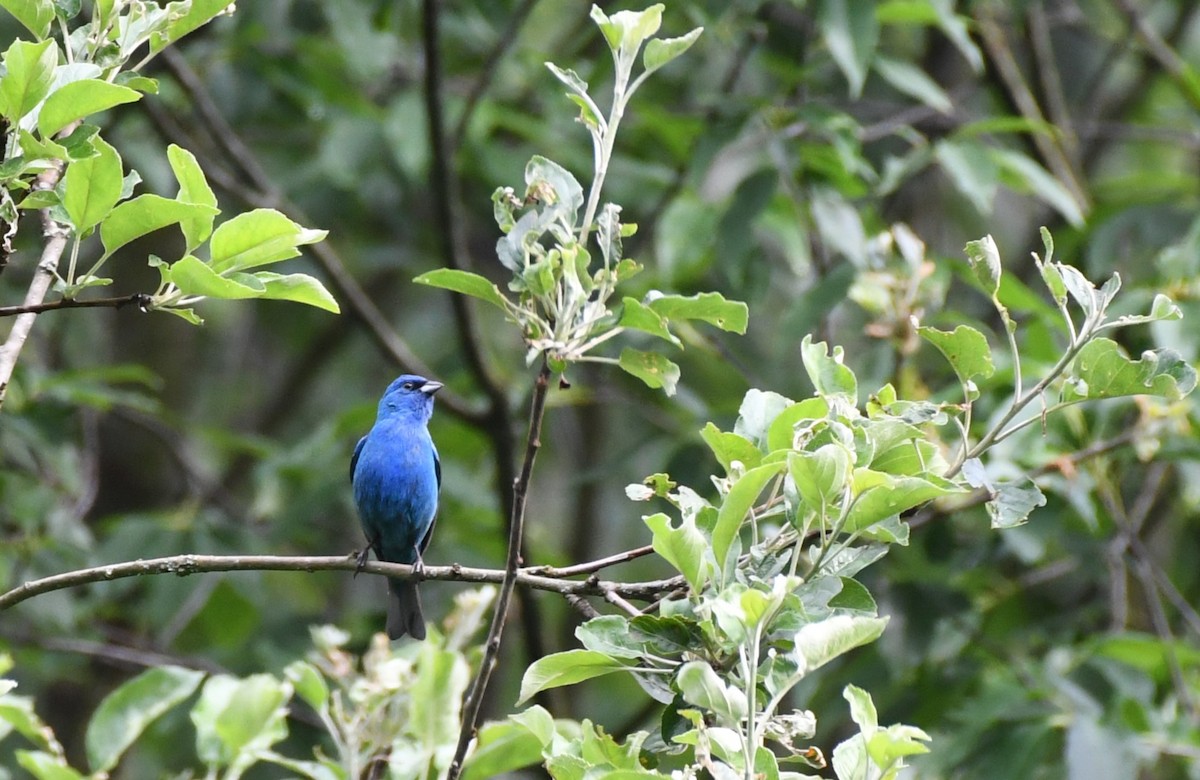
<point x="554" y="186"/>
<point x="709" y="307"/>
<point x="819" y="643"/>
<point x="36" y="15"/>
<point x="854" y="597"/>
<point x="609" y="634"/>
<point x="504" y="747"/>
<point x="198" y="13"/>
<point x="28" y="73"/>
<point x="965" y="349"/>
<point x="195" y="277"/>
<point x="44" y="766"/>
<point x="1013" y="502"/>
<point x="627" y="30"/>
<point x="782" y="431"/>
<point x="701" y="686"/>
<point x="730" y="447"/>
<point x="650" y="367"/>
<point x="235" y="717"/>
<point x="639" y="317"/>
<point x="851" y="33"/>
<point x="1102" y="370"/>
<point x="829" y="375"/>
<point x="862" y="709"/>
<point x="145" y="214"/>
<point x="914" y="82"/>
<point x="126" y="712"/>
<point x="821" y="476"/>
<point x="567" y="668"/>
<point x="984" y="258"/>
<point x="463" y="282"/>
<point x="92" y="187"/>
<point x="737" y="503"/>
<point x="436" y="697"/>
<point x="660" y="51"/>
<point x="757" y="413"/>
<point x="1024" y="175"/>
<point x="309" y="684"/>
<point x="682" y="547"/>
<point x="258" y="237"/>
<point x="300" y="288"/>
<point x="193" y="188"/>
<point x="888" y="746"/>
<point x="80" y="99"/>
<point x="570" y="78"/>
<point x="891" y="496"/>
<point x="1163" y="308"/>
<point x="972" y="170"/>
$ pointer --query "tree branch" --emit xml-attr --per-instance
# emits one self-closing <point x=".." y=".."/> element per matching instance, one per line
<point x="348" y="289"/>
<point x="183" y="565"/>
<point x="141" y="300"/>
<point x="43" y="276"/>
<point x="474" y="701"/>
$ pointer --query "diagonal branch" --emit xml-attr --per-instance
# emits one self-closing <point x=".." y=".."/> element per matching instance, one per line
<point x="270" y="196"/>
<point x="474" y="701"/>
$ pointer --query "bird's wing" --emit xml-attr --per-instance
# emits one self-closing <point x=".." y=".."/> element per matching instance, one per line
<point x="437" y="471"/>
<point x="354" y="458"/>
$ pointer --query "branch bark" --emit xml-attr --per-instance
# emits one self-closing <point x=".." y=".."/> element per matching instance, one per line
<point x="43" y="277"/>
<point x="474" y="701"/>
<point x="183" y="565"/>
<point x="119" y="302"/>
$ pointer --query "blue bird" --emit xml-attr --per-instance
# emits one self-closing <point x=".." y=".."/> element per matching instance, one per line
<point x="396" y="475"/>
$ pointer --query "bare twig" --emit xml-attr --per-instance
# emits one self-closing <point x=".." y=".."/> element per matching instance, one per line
<point x="591" y="566"/>
<point x="141" y="300"/>
<point x="269" y="195"/>
<point x="183" y="565"/>
<point x="1001" y="54"/>
<point x="474" y="701"/>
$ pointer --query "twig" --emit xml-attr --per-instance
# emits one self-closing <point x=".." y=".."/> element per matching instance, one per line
<point x="141" y="300"/>
<point x="357" y="300"/>
<point x="1185" y="76"/>
<point x="56" y="242"/>
<point x="488" y="68"/>
<point x="183" y="565"/>
<point x="1000" y="52"/>
<point x="591" y="566"/>
<point x="474" y="699"/>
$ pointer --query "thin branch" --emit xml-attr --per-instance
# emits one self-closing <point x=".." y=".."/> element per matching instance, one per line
<point x="474" y="701"/>
<point x="56" y="243"/>
<point x="1184" y="75"/>
<point x="488" y="68"/>
<point x="1001" y="54"/>
<point x="141" y="300"/>
<point x="591" y="566"/>
<point x="183" y="565"/>
<point x="269" y="195"/>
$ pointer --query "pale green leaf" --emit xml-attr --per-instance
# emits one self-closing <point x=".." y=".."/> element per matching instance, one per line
<point x="126" y="712"/>
<point x="829" y="374"/>
<point x="851" y="33"/>
<point x="708" y="307"/>
<point x="35" y="15"/>
<point x="28" y="73"/>
<point x="92" y="187"/>
<point x="567" y="668"/>
<point x="914" y="82"/>
<point x="80" y="99"/>
<point x="819" y="643"/>
<point x="637" y="316"/>
<point x="193" y="188"/>
<point x="650" y="367"/>
<point x="660" y="51"/>
<point x="737" y="503"/>
<point x="683" y="547"/>
<point x="256" y="238"/>
<point x="195" y="277"/>
<point x="1102" y="370"/>
<point x="300" y="288"/>
<point x="965" y="349"/>
<point x="463" y="282"/>
<point x="145" y="214"/>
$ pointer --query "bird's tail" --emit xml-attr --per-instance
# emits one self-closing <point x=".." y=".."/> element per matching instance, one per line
<point x="404" y="610"/>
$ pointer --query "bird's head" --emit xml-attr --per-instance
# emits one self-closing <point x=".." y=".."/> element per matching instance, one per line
<point x="409" y="396"/>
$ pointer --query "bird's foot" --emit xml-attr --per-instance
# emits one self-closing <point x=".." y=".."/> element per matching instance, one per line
<point x="362" y="557"/>
<point x="418" y="567"/>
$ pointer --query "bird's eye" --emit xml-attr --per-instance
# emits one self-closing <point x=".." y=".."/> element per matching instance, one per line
<point x="408" y="385"/>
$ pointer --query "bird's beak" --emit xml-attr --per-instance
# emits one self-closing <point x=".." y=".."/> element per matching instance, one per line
<point x="431" y="387"/>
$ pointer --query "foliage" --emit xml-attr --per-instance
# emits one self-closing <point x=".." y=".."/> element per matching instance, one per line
<point x="964" y="424"/>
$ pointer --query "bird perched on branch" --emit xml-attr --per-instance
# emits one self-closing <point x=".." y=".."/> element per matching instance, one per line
<point x="396" y="475"/>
